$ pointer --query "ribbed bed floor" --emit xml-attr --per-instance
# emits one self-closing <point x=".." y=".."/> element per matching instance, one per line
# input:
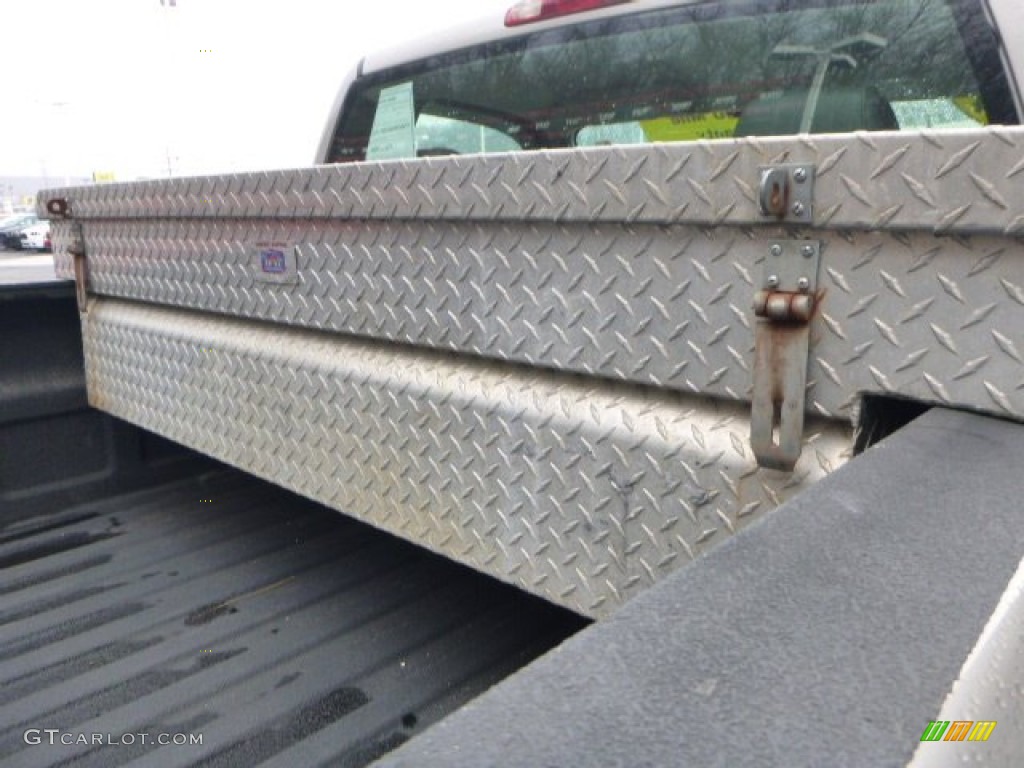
<point x="280" y="632"/>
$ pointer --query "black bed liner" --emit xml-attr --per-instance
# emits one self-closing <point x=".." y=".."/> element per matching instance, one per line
<point x="281" y="631"/>
<point x="288" y="635"/>
<point x="147" y="589"/>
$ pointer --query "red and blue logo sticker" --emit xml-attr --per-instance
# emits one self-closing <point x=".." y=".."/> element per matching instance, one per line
<point x="273" y="261"/>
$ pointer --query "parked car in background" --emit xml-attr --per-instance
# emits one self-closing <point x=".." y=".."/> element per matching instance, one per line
<point x="11" y="226"/>
<point x="12" y="239"/>
<point x="36" y="237"/>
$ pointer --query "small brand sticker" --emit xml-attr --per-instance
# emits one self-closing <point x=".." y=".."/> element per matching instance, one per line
<point x="275" y="262"/>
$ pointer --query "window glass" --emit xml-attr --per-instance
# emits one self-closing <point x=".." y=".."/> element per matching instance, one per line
<point x="439" y="135"/>
<point x="703" y="71"/>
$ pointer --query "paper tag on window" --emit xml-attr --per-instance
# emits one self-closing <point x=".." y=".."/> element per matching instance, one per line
<point x="393" y="135"/>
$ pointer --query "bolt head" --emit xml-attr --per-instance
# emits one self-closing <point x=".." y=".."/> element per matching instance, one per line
<point x="800" y="175"/>
<point x="807" y="251"/>
<point x="798" y="209"/>
<point x="776" y="250"/>
<point x="772" y="281"/>
<point x="803" y="285"/>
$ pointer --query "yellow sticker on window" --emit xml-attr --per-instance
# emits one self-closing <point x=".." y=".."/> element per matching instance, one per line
<point x="709" y="125"/>
<point x="972" y="107"/>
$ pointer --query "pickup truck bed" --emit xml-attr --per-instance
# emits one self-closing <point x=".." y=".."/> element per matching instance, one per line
<point x="208" y="602"/>
<point x="829" y="634"/>
<point x="220" y="605"/>
<point x="214" y="603"/>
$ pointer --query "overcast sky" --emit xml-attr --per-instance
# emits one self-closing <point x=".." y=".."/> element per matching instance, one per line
<point x="216" y="85"/>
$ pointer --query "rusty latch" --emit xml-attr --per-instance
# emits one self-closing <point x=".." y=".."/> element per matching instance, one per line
<point x="786" y="192"/>
<point x="60" y="208"/>
<point x="77" y="250"/>
<point x="784" y="306"/>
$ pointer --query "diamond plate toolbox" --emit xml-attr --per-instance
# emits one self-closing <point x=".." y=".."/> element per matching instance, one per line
<point x="541" y="364"/>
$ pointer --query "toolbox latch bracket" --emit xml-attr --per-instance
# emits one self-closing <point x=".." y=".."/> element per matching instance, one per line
<point x="59" y="208"/>
<point x="76" y="248"/>
<point x="783" y="305"/>
<point x="786" y="192"/>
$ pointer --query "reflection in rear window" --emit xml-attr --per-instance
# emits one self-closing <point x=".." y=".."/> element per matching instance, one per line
<point x="704" y="71"/>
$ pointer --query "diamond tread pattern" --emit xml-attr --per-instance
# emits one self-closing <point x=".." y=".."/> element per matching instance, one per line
<point x="634" y="266"/>
<point x="577" y="490"/>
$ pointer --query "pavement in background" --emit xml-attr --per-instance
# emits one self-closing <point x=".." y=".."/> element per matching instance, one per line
<point x="21" y="267"/>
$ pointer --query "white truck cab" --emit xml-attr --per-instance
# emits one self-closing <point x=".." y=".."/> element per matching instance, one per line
<point x="557" y="74"/>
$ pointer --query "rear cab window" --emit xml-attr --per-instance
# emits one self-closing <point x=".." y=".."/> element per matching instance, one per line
<point x="705" y="70"/>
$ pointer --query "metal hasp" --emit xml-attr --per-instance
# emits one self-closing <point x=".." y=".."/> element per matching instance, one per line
<point x="783" y="306"/>
<point x="60" y="208"/>
<point x="77" y="250"/>
<point x="786" y="192"/>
